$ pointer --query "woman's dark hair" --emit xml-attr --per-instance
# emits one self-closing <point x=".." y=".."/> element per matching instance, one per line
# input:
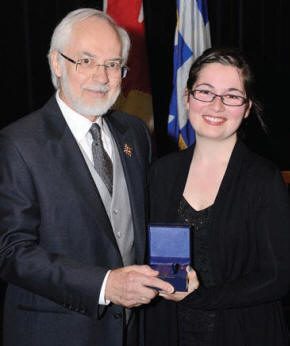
<point x="230" y="57"/>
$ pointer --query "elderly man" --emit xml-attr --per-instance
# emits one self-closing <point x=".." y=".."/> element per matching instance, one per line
<point x="72" y="191"/>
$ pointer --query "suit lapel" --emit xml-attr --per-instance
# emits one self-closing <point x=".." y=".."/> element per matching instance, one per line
<point x="69" y="155"/>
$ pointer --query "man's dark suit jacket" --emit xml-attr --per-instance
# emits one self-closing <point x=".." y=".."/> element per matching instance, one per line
<point x="56" y="241"/>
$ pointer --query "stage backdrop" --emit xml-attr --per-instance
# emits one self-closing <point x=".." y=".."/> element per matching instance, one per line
<point x="260" y="28"/>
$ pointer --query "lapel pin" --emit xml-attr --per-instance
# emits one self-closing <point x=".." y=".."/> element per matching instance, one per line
<point x="128" y="150"/>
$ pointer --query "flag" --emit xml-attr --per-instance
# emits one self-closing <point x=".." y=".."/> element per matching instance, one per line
<point x="136" y="98"/>
<point x="192" y="37"/>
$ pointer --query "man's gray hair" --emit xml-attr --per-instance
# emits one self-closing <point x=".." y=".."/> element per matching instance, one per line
<point x="61" y="34"/>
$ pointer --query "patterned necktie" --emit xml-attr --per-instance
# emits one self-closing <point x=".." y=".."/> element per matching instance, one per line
<point x="102" y="162"/>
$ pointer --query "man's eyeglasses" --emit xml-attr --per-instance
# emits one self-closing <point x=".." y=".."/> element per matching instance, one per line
<point x="227" y="99"/>
<point x="88" y="64"/>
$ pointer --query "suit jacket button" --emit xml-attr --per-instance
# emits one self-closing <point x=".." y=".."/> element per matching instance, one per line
<point x="118" y="315"/>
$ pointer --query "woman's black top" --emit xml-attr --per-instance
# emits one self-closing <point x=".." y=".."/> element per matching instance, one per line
<point x="247" y="240"/>
<point x="196" y="327"/>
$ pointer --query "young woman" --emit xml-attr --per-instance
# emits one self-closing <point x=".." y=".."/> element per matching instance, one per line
<point x="237" y="206"/>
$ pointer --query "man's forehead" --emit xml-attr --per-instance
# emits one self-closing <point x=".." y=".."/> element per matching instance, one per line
<point x="93" y="25"/>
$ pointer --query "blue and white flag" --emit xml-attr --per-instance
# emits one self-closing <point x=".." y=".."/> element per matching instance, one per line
<point x="192" y="37"/>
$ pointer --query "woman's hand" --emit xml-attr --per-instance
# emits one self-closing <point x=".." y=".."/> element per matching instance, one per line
<point x="192" y="283"/>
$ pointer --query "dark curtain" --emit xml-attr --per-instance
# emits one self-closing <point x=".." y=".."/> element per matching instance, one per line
<point x="160" y="20"/>
<point x="259" y="28"/>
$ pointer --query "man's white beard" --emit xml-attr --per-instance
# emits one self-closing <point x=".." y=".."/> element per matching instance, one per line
<point x="100" y="107"/>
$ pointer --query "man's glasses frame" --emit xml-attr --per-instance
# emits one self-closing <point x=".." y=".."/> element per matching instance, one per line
<point x="89" y="63"/>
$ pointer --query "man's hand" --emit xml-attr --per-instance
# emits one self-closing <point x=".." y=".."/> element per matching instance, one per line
<point x="134" y="285"/>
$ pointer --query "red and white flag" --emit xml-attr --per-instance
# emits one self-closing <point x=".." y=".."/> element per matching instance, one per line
<point x="136" y="96"/>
